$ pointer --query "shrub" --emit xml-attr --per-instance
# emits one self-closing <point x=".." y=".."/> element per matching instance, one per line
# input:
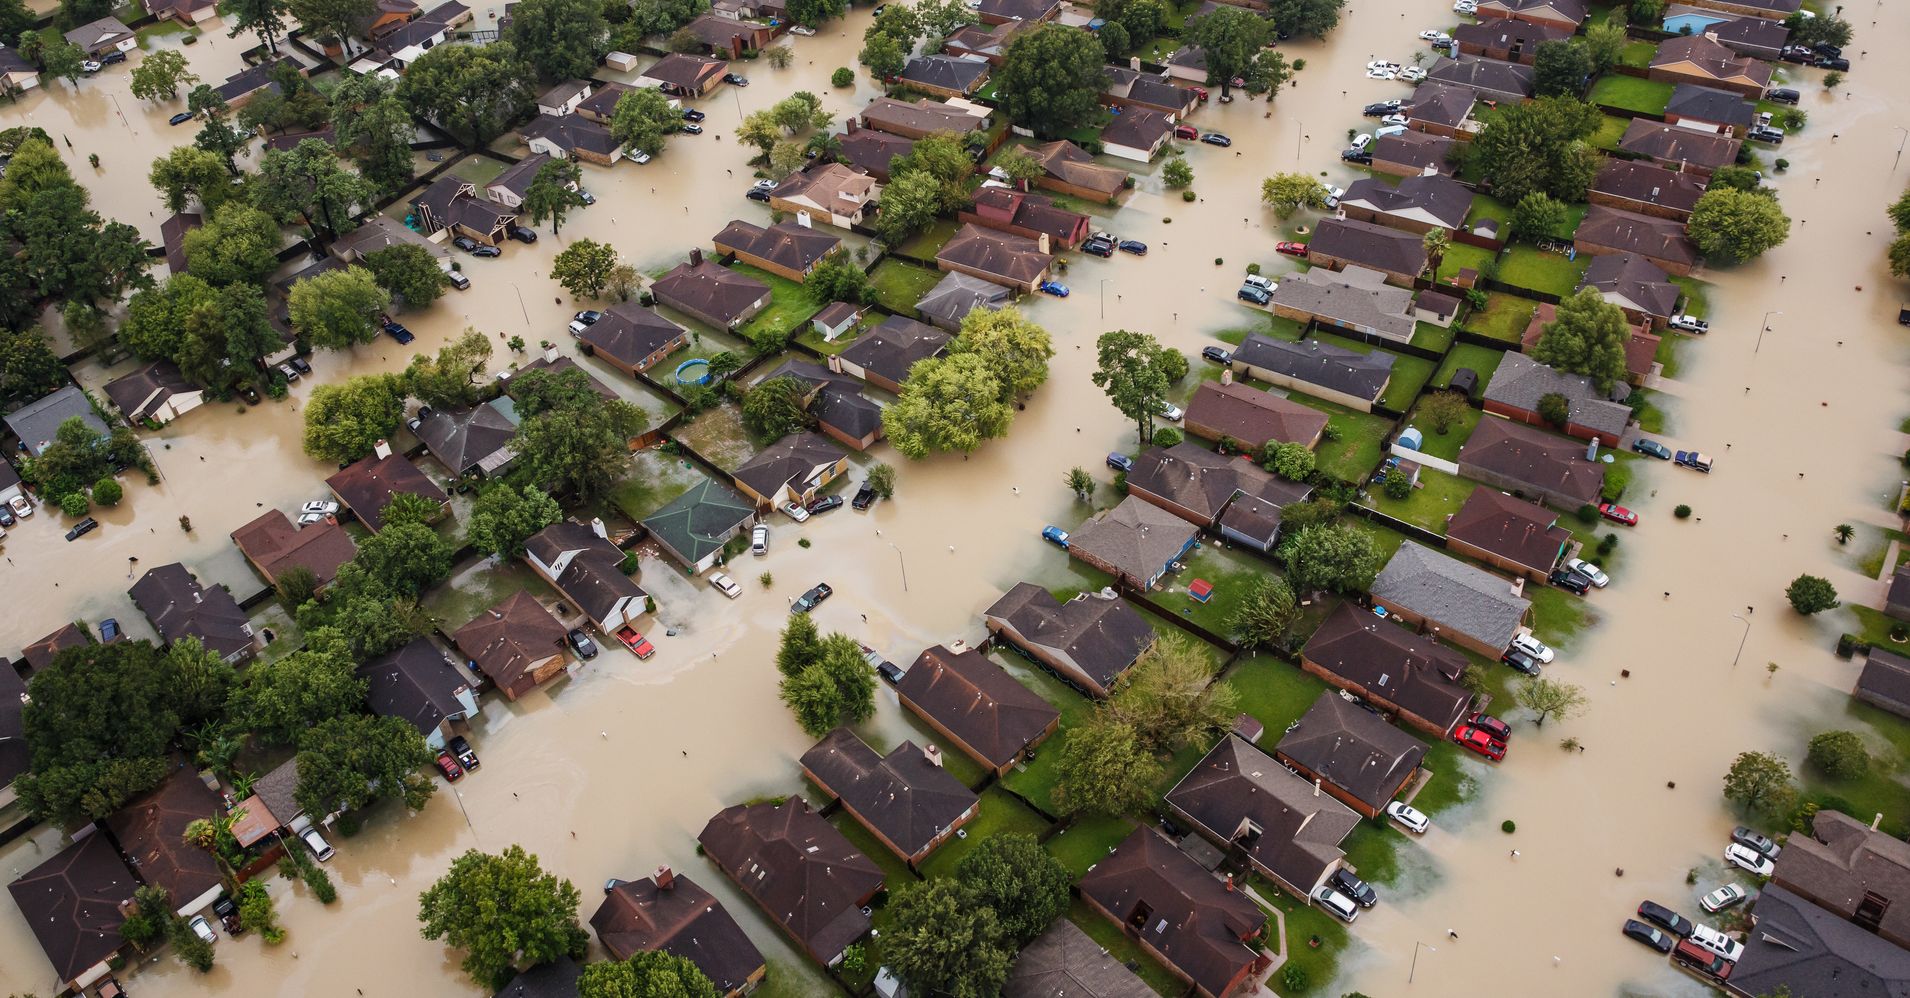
<point x="107" y="492"/>
<point x="1166" y="436"/>
<point x="802" y="542"/>
<point x="1294" y="977"/>
<point x="766" y="579"/>
<point x="1839" y="755"/>
<point x="1398" y="486"/>
<point x="74" y="504"/>
<point x="1189" y="196"/>
<point x="1254" y="269"/>
<point x="1681" y="511"/>
<point x="1588" y="513"/>
<point x="1607" y="544"/>
<point x="1508" y="826"/>
<point x="842" y="77"/>
<point x="1810" y="594"/>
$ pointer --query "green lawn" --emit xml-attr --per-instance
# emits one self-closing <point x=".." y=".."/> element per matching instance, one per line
<point x="1274" y="693"/>
<point x="899" y="285"/>
<point x="1482" y="361"/>
<point x="1638" y="55"/>
<point x="1437" y="496"/>
<point x="1504" y="318"/>
<point x="1000" y="813"/>
<point x="1356" y="452"/>
<point x="1386" y="541"/>
<point x="1667" y="355"/>
<point x="1610" y="130"/>
<point x="1086" y="841"/>
<point x="1871" y="563"/>
<point x="925" y="244"/>
<point x="1410" y="374"/>
<point x="1447" y="445"/>
<point x="1651" y="419"/>
<point x="1632" y="93"/>
<point x="1231" y="572"/>
<point x="789" y="304"/>
<point x="1697" y="296"/>
<point x="828" y="348"/>
<point x="1125" y="950"/>
<point x="1450" y="786"/>
<point x="1529" y="267"/>
<point x="1036" y="779"/>
<point x="1459" y="256"/>
<point x="1879" y="790"/>
<point x="1317" y="965"/>
<point x="1557" y="616"/>
<point x="1432" y="337"/>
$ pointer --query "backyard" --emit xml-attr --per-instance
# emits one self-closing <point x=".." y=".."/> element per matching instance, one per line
<point x="1447" y="444"/>
<point x="1230" y="572"/>
<point x="1632" y="93"/>
<point x="1432" y="337"/>
<point x="789" y="304"/>
<point x="1354" y="448"/>
<point x="1000" y="813"/>
<point x="652" y="480"/>
<point x="718" y="435"/>
<point x="1536" y="270"/>
<point x="899" y="285"/>
<point x="1482" y="361"/>
<point x="1486" y="206"/>
<point x="1436" y="496"/>
<point x="1462" y="257"/>
<point x="1504" y="318"/>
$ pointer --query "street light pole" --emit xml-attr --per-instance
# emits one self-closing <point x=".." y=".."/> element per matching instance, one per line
<point x="904" y="564"/>
<point x="1415" y="966"/>
<point x="1741" y="638"/>
<point x="1906" y="138"/>
<point x="1104" y="297"/>
<point x="1764" y="326"/>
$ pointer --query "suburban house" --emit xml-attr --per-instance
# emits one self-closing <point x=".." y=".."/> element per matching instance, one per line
<point x="791" y="470"/>
<point x="1030" y="216"/>
<point x="557" y="979"/>
<point x="632" y="338"/>
<point x="956" y="295"/>
<point x="1516" y="391"/>
<point x="680" y="74"/>
<point x="179" y="607"/>
<point x="983" y="41"/>
<point x="172" y="231"/>
<point x="151" y="831"/>
<point x="1884" y="682"/>
<point x="1137" y="133"/>
<point x="836" y="402"/>
<point x="1678" y="148"/>
<point x="398" y="49"/>
<point x="1008" y="260"/>
<point x="976" y="705"/>
<point x="1255" y="809"/>
<point x="1531" y="463"/>
<point x="882" y="356"/>
<point x="1252" y="418"/>
<point x="922" y="118"/>
<point x="670" y="913"/>
<point x="379" y="232"/>
<point x="946" y="75"/>
<point x="1071" y="170"/>
<point x="1508" y="40"/>
<point x="517" y="644"/>
<point x="272" y="806"/>
<point x="1509" y="534"/>
<point x="1796" y="947"/>
<point x="905" y="799"/>
<point x="1705" y="109"/>
<point x="1128" y="89"/>
<point x="1197" y="485"/>
<point x="828" y="192"/>
<point x="1703" y="60"/>
<point x="1355" y="299"/>
<point x="600" y="105"/>
<point x="72" y="902"/>
<point x="1755" y="36"/>
<point x="582" y="565"/>
<point x="41" y="653"/>
<point x="870" y="151"/>
<point x="17" y="75"/>
<point x="786" y="249"/>
<point x="1412" y="154"/>
<point x="1507" y="81"/>
<point x="1851" y="870"/>
<point x="508" y="188"/>
<point x="1468" y="606"/>
<point x="273" y="546"/>
<point x="1436" y="306"/>
<point x="38" y="421"/>
<point x="709" y="292"/>
<point x="239" y="88"/>
<point x="15" y="758"/>
<point x="182" y="11"/>
<point x="1660" y="240"/>
<point x="836" y="318"/>
<point x="1336" y="374"/>
<point x="1406" y="673"/>
<point x="694" y="527"/>
<point x="1443" y="109"/>
<point x="386" y="16"/>
<point x="96" y="38"/>
<point x="803" y="874"/>
<point x="564" y="97"/>
<point x="450" y="207"/>
<point x="1135" y="542"/>
<point x="1566" y="14"/>
<point x="368" y="485"/>
<point x="1897" y="599"/>
<point x="1089" y="641"/>
<point x="1065" y="962"/>
<point x="420" y="684"/>
<point x="729" y="37"/>
<point x="1206" y="932"/>
<point x="1339" y="243"/>
<point x="1357" y="757"/>
<point x="1641" y="344"/>
<point x="572" y="136"/>
<point x="1646" y="188"/>
<point x="155" y="393"/>
<point x="1031" y="11"/>
<point x="1417" y="204"/>
<point x="472" y="440"/>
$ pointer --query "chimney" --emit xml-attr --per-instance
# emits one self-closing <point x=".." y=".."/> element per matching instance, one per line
<point x="1043" y="242"/>
<point x="1227" y="376"/>
<point x="382" y="448"/>
<point x="1316" y="786"/>
<point x="597" y="527"/>
<point x="1230" y="883"/>
<point x="933" y="755"/>
<point x="666" y="880"/>
<point x="957" y="646"/>
<point x="851" y="126"/>
<point x="1878" y="820"/>
<point x="550" y="354"/>
<point x="1134" y="63"/>
<point x="1518" y="586"/>
<point x="696" y="257"/>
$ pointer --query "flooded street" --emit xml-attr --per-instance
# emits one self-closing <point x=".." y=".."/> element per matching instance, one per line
<point x="614" y="772"/>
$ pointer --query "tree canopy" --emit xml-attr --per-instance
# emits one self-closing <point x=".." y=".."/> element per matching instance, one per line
<point x="1132" y="368"/>
<point x="942" y="940"/>
<point x="1051" y="79"/>
<point x="503" y="518"/>
<point x="97" y="729"/>
<point x="1333" y="557"/>
<point x="950" y="403"/>
<point x="343" y="420"/>
<point x="1587" y="337"/>
<point x="338" y="308"/>
<point x="1231" y="38"/>
<point x="1730" y="225"/>
<point x="1538" y="146"/>
<point x="1015" y="349"/>
<point x="504" y="911"/>
<point x="350" y="761"/>
<point x="652" y="974"/>
<point x="560" y="39"/>
<point x="478" y="89"/>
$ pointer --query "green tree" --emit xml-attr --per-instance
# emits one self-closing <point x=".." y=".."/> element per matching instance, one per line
<point x="899" y="23"/>
<point x="842" y="77"/>
<point x="774" y="409"/>
<point x="1050" y="79"/>
<point x="1731" y="225"/>
<point x="1587" y="337"/>
<point x="943" y="940"/>
<point x="375" y="128"/>
<point x="560" y="39"/>
<point x="337" y="309"/>
<point x="62" y="59"/>
<point x="1287" y="193"/>
<point x="943" y="156"/>
<point x="582" y="446"/>
<point x="1546" y="697"/>
<point x="948" y="403"/>
<point x="97" y="728"/>
<point x="941" y="18"/>
<point x="882" y="480"/>
<point x="1743" y="178"/>
<point x="837" y="687"/>
<point x="1538" y="216"/>
<point x="36" y="167"/>
<point x="1759" y="781"/>
<point x="1560" y="68"/>
<point x="1105" y="769"/>
<point x="15" y="19"/>
<point x="239" y="243"/>
<point x="216" y="132"/>
<point x="1555" y="409"/>
<point x="67" y="252"/>
<point x="553" y="193"/>
<point x="307" y="182"/>
<point x="405" y="558"/>
<point x="256" y="913"/>
<point x="1898" y="210"/>
<point x="1900" y="256"/>
<point x="479" y="89"/>
<point x="1080" y="483"/>
<point x="187" y="174"/>
<point x="1443" y="409"/>
<point x="332" y="18"/>
<point x="642" y="118"/>
<point x="408" y="273"/>
<point x="160" y="74"/>
<point x="583" y="267"/>
<point x="1824" y="29"/>
<point x="1604" y="43"/>
<point x="1025" y="885"/>
<point x="1231" y="37"/>
<point x="264" y="18"/>
<point x="1170" y="698"/>
<point x="343" y="420"/>
<point x="1132" y="370"/>
<point x="1538" y="146"/>
<point x="1435" y="242"/>
<point x="1839" y="755"/>
<point x="503" y="911"/>
<point x="907" y="205"/>
<point x="1177" y="174"/>
<point x="1331" y="557"/>
<point x="451" y="379"/>
<point x="1264" y="618"/>
<point x="1306" y="18"/>
<point x="1809" y="594"/>
<point x="28" y="367"/>
<point x="652" y="974"/>
<point x="348" y="762"/>
<point x="1288" y="459"/>
<point x="280" y="699"/>
<point x="1016" y="350"/>
<point x="838" y="278"/>
<point x="800" y="645"/>
<point x="884" y="57"/>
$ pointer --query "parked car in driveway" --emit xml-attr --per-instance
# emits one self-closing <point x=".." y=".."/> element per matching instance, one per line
<point x="1617" y="514"/>
<point x="639" y="645"/>
<point x="1055" y="535"/>
<point x="813" y="598"/>
<point x="1782" y="95"/>
<point x="1701" y="961"/>
<point x="1290" y="248"/>
<point x="203" y="929"/>
<point x="1655" y="938"/>
<point x="1216" y="139"/>
<point x="1359" y="890"/>
<point x="823" y="504"/>
<point x="795" y="511"/>
<point x="449" y="767"/>
<point x="1521" y="661"/>
<point x="1055" y="288"/>
<point x="22" y="506"/>
<point x="1171" y="412"/>
<point x="759" y="540"/>
<point x="725" y="585"/>
<point x="1651" y="448"/>
<point x="1380" y="109"/>
<point x="1478" y="741"/>
<point x="1098" y="246"/>
<point x="581" y="643"/>
<point x="1722" y="898"/>
<point x="1408" y="816"/>
<point x="1717" y="942"/>
<point x="1530" y="644"/>
<point x="321" y="849"/>
<point x="1590" y="571"/>
<point x="1749" y="860"/>
<point x="1218" y="355"/>
<point x="692" y="114"/>
<point x="522" y="234"/>
<point x="1187" y="132"/>
<point x="1694" y="460"/>
<point x="462" y="750"/>
<point x="1134" y="246"/>
<point x="1689" y="324"/>
<point x="1491" y="726"/>
<point x="1571" y="581"/>
<point x="1254" y="294"/>
<point x="691" y="128"/>
<point x="1359" y="156"/>
<point x="1658" y="914"/>
<point x="865" y="496"/>
<point x="736" y="79"/>
<point x="1762" y="844"/>
<point x="1119" y="461"/>
<point x="758" y="194"/>
<point x="1339" y="904"/>
<point x="396" y="330"/>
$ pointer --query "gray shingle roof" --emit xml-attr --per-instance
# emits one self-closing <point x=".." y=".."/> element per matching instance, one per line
<point x="1627" y="279"/>
<point x="1521" y="382"/>
<point x="1437" y="198"/>
<point x="890" y="349"/>
<point x="36" y="422"/>
<point x="1414" y="672"/>
<point x="1490" y="75"/>
<point x="956" y="295"/>
<point x="1369" y="245"/>
<point x="1452" y="594"/>
<point x="1064" y="962"/>
<point x="960" y="74"/>
<point x="1688" y="100"/>
<point x="1812" y="952"/>
<point x="1103" y="636"/>
<point x="1136" y="537"/>
<point x="1355" y="297"/>
<point x="1361" y="375"/>
<point x="1300" y="831"/>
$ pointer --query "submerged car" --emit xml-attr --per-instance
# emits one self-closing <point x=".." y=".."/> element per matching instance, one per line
<point x="865" y="497"/>
<point x="823" y="504"/>
<point x="86" y="526"/>
<point x="813" y="598"/>
<point x="1617" y="514"/>
<point x="1134" y="246"/>
<point x="1763" y="844"/>
<point x="449" y="767"/>
<point x="1056" y="288"/>
<point x="1590" y="571"/>
<point x="1056" y="536"/>
<point x="1655" y="938"/>
<point x="1749" y="860"/>
<point x="1651" y="448"/>
<point x="1531" y="645"/>
<point x="1098" y="246"/>
<point x="1658" y="914"/>
<point x="795" y="511"/>
<point x="1216" y="139"/>
<point x="639" y="645"/>
<point x="1722" y="898"/>
<point x="1694" y="460"/>
<point x="462" y="750"/>
<point x="725" y="585"/>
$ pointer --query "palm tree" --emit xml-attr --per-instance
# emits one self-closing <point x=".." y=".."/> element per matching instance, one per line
<point x="1844" y="532"/>
<point x="1436" y="242"/>
<point x="826" y="145"/>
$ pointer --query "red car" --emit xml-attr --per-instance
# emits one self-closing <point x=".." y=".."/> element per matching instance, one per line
<point x="1491" y="726"/>
<point x="1188" y="132"/>
<point x="1617" y="514"/>
<point x="449" y="767"/>
<point x="637" y="643"/>
<point x="1290" y="249"/>
<point x="1479" y="741"/>
<point x="1700" y="961"/>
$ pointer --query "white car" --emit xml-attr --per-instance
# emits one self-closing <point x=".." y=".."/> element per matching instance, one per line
<point x="1722" y="898"/>
<point x="639" y="158"/>
<point x="1532" y="646"/>
<point x="1465" y="7"/>
<point x="22" y="506"/>
<point x="1382" y="64"/>
<point x="759" y="540"/>
<point x="1717" y="942"/>
<point x="1361" y="141"/>
<point x="317" y="844"/>
<point x="1409" y="817"/>
<point x="1589" y="570"/>
<point x="726" y="585"/>
<point x="1412" y="74"/>
<point x="323" y="507"/>
<point x="203" y="929"/>
<point x="1382" y="74"/>
<point x="308" y="519"/>
<point x="803" y="30"/>
<point x="1263" y="283"/>
<point x="1339" y="904"/>
<point x="795" y="511"/>
<point x="1393" y="119"/>
<point x="1435" y="35"/>
<point x="1171" y="412"/>
<point x="1690" y="324"/>
<point x="1749" y="860"/>
<point x="1386" y="130"/>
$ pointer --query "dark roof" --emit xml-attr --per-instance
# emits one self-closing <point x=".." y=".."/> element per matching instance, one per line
<point x="909" y="799"/>
<point x="1136" y="537"/>
<point x="95" y="35"/>
<point x="417" y="683"/>
<point x="471" y="437"/>
<point x="1370" y="245"/>
<point x="1146" y="88"/>
<point x="681" y="919"/>
<point x="1899" y="593"/>
<point x="276" y="545"/>
<point x="873" y="152"/>
<point x="1018" y="10"/>
<point x="722" y="32"/>
<point x="1071" y="164"/>
<point x="1015" y="259"/>
<point x="1648" y="183"/>
<point x="562" y="93"/>
<point x="511" y="638"/>
<point x="556" y="979"/>
<point x="1750" y="32"/>
<point x="1795" y="947"/>
<point x="517" y="177"/>
<point x="562" y="365"/>
<point x="152" y="832"/>
<point x="976" y="700"/>
<point x="803" y="873"/>
<point x="690" y="72"/>
<point x="1414" y="149"/>
<point x="1065" y="962"/>
<point x="1523" y="383"/>
<point x="172" y="235"/>
<point x="1032" y="212"/>
<point x="568" y="132"/>
<point x="139" y="393"/>
<point x="1138" y="127"/>
<point x="369" y="485"/>
<point x="40" y="653"/>
<point x="14" y="757"/>
<point x="709" y="289"/>
<point x="1516" y="530"/>
<point x="890" y="349"/>
<point x="1714" y="58"/>
<point x="1533" y="457"/>
<point x="958" y="73"/>
<point x="1689" y="100"/>
<point x="179" y="607"/>
<point x="36" y="422"/>
<point x="1103" y="636"/>
<point x="1441" y="103"/>
<point x="700" y="520"/>
<point x="421" y="28"/>
<point x="1437" y="198"/>
<point x="628" y="333"/>
<point x="1252" y="416"/>
<point x="1300" y="828"/>
<point x="1192" y="918"/>
<point x="72" y="904"/>
<point x="1452" y="594"/>
<point x="1361" y="375"/>
<point x="1886" y="675"/>
<point x="1573" y="10"/>
<point x="594" y="579"/>
<point x="926" y="116"/>
<point x="787" y="244"/>
<point x="1201" y="481"/>
<point x="1490" y="75"/>
<point x="791" y="459"/>
<point x="1416" y="673"/>
<point x="1499" y="32"/>
<point x="1353" y="749"/>
<point x="603" y="100"/>
<point x="1844" y="860"/>
<point x="253" y="79"/>
<point x="1706" y="150"/>
<point x="957" y="294"/>
<point x="290" y="139"/>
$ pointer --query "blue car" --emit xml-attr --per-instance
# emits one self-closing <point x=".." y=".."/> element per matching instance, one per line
<point x="1134" y="246"/>
<point x="1056" y="288"/>
<point x="397" y="331"/>
<point x="1056" y="536"/>
<point x="1652" y="448"/>
<point x="1119" y="461"/>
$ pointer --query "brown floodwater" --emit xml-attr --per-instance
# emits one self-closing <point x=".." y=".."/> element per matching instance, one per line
<point x="584" y="777"/>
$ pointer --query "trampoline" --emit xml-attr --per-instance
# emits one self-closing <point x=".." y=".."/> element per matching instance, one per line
<point x="698" y="364"/>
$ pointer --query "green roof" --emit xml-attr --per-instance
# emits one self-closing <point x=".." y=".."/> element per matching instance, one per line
<point x="698" y="521"/>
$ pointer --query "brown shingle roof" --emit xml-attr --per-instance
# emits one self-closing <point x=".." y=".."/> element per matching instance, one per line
<point x="910" y="800"/>
<point x="1841" y="862"/>
<point x="1353" y="749"/>
<point x="890" y="349"/>
<point x="901" y="117"/>
<point x="1672" y="144"/>
<point x="1300" y="830"/>
<point x="179" y="607"/>
<point x="1071" y="164"/>
<point x="791" y="460"/>
<point x="274" y="544"/>
<point x="691" y="72"/>
<point x="1513" y="529"/>
<point x="1252" y="416"/>
<point x="985" y="707"/>
<point x="628" y="333"/>
<point x="40" y="653"/>
<point x="710" y="290"/>
<point x="1504" y="79"/>
<point x="1712" y="58"/>
<point x="593" y="580"/>
<point x="1376" y="246"/>
<point x="873" y="152"/>
<point x="1192" y="918"/>
<point x="1104" y="637"/>
<point x="673" y="914"/>
<point x="787" y="244"/>
<point x="1630" y="279"/>
<point x="1417" y="150"/>
<point x="1016" y="260"/>
<point x="511" y="638"/>
<point x="369" y="485"/>
<point x="1065" y="962"/>
<point x="1417" y="673"/>
<point x="1136" y="537"/>
<point x="1202" y="482"/>
<point x="152" y="830"/>
<point x="71" y="902"/>
<point x="1532" y="457"/>
<point x="803" y="873"/>
<point x="417" y="683"/>
<point x="1440" y="103"/>
<point x="1649" y="183"/>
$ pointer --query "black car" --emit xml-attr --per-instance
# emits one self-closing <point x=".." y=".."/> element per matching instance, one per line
<point x="86" y="526"/>
<point x="581" y="643"/>
<point x="1099" y="246"/>
<point x="736" y="79"/>
<point x="397" y="331"/>
<point x="758" y="194"/>
<point x="890" y="672"/>
<point x="1381" y="109"/>
<point x="112" y="57"/>
<point x="813" y="598"/>
<point x="865" y="497"/>
<point x="475" y="248"/>
<point x="1360" y="156"/>
<point x="1760" y="844"/>
<point x="1782" y="95"/>
<point x="1258" y="296"/>
<point x="1571" y="581"/>
<point x="1651" y="937"/>
<point x="1134" y="246"/>
<point x="588" y="317"/>
<point x="1828" y="62"/>
<point x="521" y="233"/>
<point x="692" y="114"/>
<point x="228" y="912"/>
<point x="6" y="515"/>
<point x="1216" y="139"/>
<point x="180" y="118"/>
<point x="301" y="365"/>
<point x="1359" y="890"/>
<point x="249" y="394"/>
<point x="109" y="631"/>
<point x="1521" y="661"/>
<point x="823" y="504"/>
<point x="1658" y="914"/>
<point x="1825" y="49"/>
<point x="487" y="251"/>
<point x="462" y="749"/>
<point x="1218" y="355"/>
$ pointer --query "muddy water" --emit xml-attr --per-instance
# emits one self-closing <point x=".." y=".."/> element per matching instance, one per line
<point x="585" y="776"/>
